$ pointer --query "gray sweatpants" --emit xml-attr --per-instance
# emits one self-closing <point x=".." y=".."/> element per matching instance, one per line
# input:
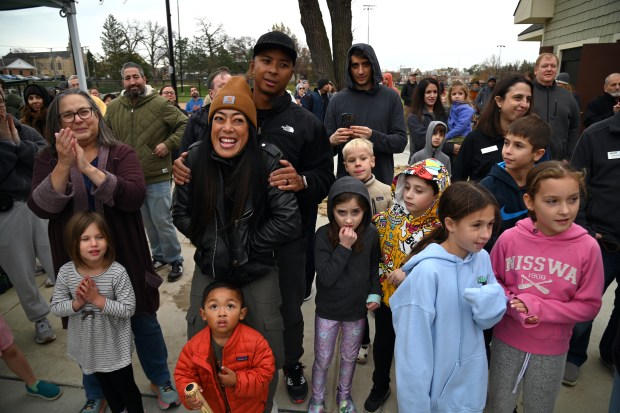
<point x="23" y="237"/>
<point x="541" y="380"/>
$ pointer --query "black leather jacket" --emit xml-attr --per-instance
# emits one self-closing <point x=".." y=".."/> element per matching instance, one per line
<point x="238" y="253"/>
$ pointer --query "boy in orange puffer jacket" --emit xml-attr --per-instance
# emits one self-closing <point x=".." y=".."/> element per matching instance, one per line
<point x="231" y="362"/>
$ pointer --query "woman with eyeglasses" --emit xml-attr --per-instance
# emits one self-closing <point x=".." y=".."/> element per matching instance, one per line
<point x="168" y="93"/>
<point x="85" y="168"/>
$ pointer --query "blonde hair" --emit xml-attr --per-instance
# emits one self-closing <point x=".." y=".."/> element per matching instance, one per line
<point x="457" y="83"/>
<point x="546" y="54"/>
<point x="357" y="143"/>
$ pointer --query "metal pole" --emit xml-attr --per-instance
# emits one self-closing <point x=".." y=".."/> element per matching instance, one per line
<point x="368" y="7"/>
<point x="180" y="50"/>
<point x="499" y="59"/>
<point x="173" y="77"/>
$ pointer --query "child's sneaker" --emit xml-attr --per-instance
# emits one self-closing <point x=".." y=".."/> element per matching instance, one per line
<point x="167" y="396"/>
<point x="44" y="390"/>
<point x="316" y="407"/>
<point x="362" y="355"/>
<point x="347" y="406"/>
<point x="95" y="406"/>
<point x="43" y="331"/>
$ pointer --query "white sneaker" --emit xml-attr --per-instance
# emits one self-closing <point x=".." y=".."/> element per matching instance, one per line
<point x="274" y="408"/>
<point x="362" y="355"/>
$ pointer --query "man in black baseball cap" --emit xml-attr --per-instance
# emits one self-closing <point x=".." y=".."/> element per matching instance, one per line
<point x="308" y="171"/>
<point x="276" y="40"/>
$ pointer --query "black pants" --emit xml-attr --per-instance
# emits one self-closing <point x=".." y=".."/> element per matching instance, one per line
<point x="310" y="231"/>
<point x="121" y="391"/>
<point x="291" y="260"/>
<point x="383" y="347"/>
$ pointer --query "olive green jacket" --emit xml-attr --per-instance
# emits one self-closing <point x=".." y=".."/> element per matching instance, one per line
<point x="151" y="121"/>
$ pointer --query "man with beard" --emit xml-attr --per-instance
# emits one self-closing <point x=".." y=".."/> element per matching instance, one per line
<point x="604" y="106"/>
<point x="153" y="127"/>
<point x="195" y="103"/>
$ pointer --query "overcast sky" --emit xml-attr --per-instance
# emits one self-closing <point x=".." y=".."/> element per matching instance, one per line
<point x="425" y="35"/>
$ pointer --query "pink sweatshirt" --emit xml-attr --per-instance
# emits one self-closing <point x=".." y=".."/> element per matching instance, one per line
<point x="559" y="278"/>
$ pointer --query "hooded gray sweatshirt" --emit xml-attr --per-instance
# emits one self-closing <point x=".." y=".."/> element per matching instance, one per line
<point x="429" y="151"/>
<point x="378" y="108"/>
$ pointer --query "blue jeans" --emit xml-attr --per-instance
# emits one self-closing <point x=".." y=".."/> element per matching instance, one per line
<point x="152" y="353"/>
<point x="578" y="350"/>
<point x="157" y="219"/>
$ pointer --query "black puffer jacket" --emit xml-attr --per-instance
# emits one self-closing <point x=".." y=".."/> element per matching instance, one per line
<point x="236" y="253"/>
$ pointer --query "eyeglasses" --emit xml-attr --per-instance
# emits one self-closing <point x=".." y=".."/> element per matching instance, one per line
<point x="168" y="93"/>
<point x="69" y="117"/>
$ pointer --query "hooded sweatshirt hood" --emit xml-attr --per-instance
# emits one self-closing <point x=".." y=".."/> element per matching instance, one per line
<point x="348" y="184"/>
<point x="377" y="75"/>
<point x="428" y="169"/>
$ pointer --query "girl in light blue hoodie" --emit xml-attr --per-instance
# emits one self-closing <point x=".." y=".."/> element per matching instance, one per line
<point x="448" y="298"/>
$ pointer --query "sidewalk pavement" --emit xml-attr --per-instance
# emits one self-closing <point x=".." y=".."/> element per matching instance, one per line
<point x="50" y="362"/>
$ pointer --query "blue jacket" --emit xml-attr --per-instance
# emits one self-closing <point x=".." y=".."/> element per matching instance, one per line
<point x="317" y="106"/>
<point x="189" y="106"/>
<point x="459" y="121"/>
<point x="509" y="197"/>
<point x="439" y="312"/>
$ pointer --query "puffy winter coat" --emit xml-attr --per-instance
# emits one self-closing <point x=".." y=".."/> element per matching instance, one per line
<point x="247" y="353"/>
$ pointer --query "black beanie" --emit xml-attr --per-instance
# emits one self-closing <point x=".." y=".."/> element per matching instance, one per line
<point x="39" y="91"/>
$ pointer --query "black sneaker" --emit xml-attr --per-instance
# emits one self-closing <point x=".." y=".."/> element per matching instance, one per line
<point x="159" y="264"/>
<point x="296" y="385"/>
<point x="175" y="272"/>
<point x="374" y="402"/>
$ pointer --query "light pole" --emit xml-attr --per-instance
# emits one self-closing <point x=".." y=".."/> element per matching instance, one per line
<point x="368" y="7"/>
<point x="499" y="59"/>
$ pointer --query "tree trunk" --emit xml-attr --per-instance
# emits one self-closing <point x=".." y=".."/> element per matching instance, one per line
<point x="342" y="37"/>
<point x="316" y="36"/>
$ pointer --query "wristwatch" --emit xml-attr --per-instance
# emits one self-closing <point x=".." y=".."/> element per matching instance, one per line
<point x="303" y="178"/>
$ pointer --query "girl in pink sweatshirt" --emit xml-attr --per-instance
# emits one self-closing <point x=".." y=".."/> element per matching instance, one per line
<point x="552" y="273"/>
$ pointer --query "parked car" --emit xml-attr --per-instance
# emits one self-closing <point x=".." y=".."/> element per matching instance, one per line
<point x="19" y="77"/>
<point x="8" y="77"/>
<point x="33" y="78"/>
<point x="45" y="77"/>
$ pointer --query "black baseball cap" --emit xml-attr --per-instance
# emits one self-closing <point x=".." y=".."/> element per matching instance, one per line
<point x="276" y="40"/>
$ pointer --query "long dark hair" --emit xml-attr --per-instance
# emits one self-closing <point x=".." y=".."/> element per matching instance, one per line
<point x="489" y="122"/>
<point x="246" y="181"/>
<point x="106" y="136"/>
<point x="333" y="232"/>
<point x="417" y="102"/>
<point x="457" y="201"/>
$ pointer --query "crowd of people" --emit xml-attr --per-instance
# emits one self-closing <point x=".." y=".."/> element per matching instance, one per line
<point x="483" y="262"/>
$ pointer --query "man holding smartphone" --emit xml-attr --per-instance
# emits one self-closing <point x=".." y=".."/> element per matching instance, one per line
<point x="374" y="112"/>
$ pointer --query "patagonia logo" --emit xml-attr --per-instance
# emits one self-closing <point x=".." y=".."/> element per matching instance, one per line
<point x="482" y="280"/>
<point x="288" y="128"/>
<point x="228" y="100"/>
<point x="242" y="358"/>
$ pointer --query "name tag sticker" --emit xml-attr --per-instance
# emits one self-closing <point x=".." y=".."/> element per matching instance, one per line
<point x="489" y="149"/>
<point x="613" y="155"/>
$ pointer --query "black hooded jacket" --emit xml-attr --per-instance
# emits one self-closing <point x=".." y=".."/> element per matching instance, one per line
<point x="301" y="138"/>
<point x="344" y="277"/>
<point x="379" y="108"/>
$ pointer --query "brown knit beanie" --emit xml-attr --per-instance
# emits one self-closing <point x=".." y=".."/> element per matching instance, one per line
<point x="236" y="94"/>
